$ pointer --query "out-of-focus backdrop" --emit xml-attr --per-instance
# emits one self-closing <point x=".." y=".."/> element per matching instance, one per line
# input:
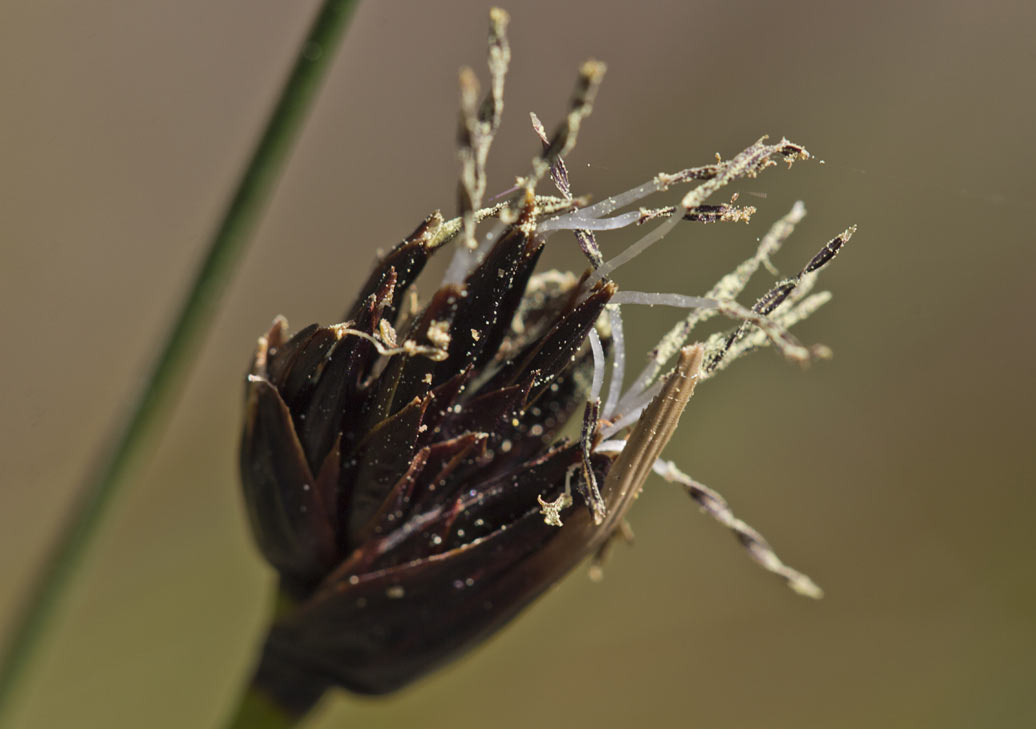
<point x="900" y="474"/>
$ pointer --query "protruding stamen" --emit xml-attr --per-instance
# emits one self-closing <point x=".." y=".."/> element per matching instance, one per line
<point x="559" y="173"/>
<point x="728" y="287"/>
<point x="785" y="290"/>
<point x="758" y="548"/>
<point x="660" y="183"/>
<point x="747" y="164"/>
<point x="591" y="73"/>
<point x="782" y="339"/>
<point x="478" y="124"/>
<point x="592" y="492"/>
<point x="786" y="318"/>
<point x="579" y="220"/>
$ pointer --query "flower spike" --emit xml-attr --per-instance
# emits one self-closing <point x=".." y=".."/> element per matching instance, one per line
<point x="412" y="473"/>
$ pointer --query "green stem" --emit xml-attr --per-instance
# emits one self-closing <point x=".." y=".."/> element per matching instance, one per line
<point x="257" y="711"/>
<point x="151" y="404"/>
<point x="280" y="693"/>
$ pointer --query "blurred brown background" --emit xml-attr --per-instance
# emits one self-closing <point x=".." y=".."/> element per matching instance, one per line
<point x="899" y="475"/>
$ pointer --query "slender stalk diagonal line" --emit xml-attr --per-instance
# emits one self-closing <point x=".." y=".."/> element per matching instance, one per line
<point x="151" y="404"/>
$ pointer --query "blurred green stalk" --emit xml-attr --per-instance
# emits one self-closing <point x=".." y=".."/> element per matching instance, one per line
<point x="152" y="402"/>
<point x="256" y="711"/>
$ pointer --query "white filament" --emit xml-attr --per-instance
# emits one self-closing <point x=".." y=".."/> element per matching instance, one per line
<point x="618" y="361"/>
<point x="598" y="350"/>
<point x="681" y="301"/>
<point x="617" y="202"/>
<point x="579" y="221"/>
<point x="610" y="446"/>
<point x="638" y="385"/>
<point x="648" y="240"/>
<point x="637" y="407"/>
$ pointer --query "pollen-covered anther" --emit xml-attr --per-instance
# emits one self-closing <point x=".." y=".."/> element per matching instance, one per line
<point x="409" y="347"/>
<point x="388" y="333"/>
<point x="714" y="505"/>
<point x="551" y="510"/>
<point x="526" y="217"/>
<point x="793" y="152"/>
<point x="439" y="334"/>
<point x="665" y="180"/>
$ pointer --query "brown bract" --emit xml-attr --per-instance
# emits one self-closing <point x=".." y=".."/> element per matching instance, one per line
<point x="397" y="494"/>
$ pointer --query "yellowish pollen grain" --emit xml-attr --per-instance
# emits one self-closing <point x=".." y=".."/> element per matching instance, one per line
<point x="439" y="334"/>
<point x="551" y="510"/>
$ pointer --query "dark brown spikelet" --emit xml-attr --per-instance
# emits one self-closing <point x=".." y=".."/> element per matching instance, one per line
<point x="406" y="472"/>
<point x="396" y="492"/>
